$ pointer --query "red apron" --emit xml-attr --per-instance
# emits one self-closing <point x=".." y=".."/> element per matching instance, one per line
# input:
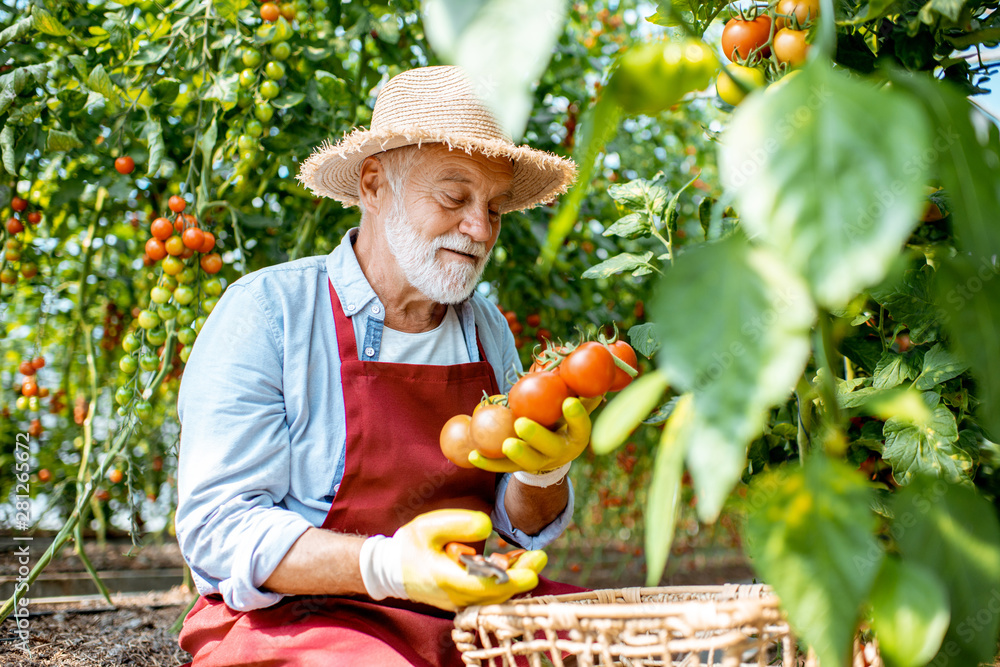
<point x="394" y="471"/>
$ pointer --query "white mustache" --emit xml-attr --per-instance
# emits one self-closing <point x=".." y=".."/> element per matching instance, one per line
<point x="461" y="243"/>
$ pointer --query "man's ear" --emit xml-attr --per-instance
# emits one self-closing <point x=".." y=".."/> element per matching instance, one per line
<point x="373" y="186"/>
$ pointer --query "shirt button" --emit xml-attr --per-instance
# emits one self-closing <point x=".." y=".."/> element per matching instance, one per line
<point x="369" y="351"/>
<point x="376" y="309"/>
<point x="336" y="488"/>
<point x="350" y="306"/>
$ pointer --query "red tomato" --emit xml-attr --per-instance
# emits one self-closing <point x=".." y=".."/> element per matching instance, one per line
<point x="589" y="370"/>
<point x="211" y="263"/>
<point x="161" y="228"/>
<point x="539" y="397"/>
<point x="177" y="203"/>
<point x="155" y="249"/>
<point x="533" y="320"/>
<point x="208" y="242"/>
<point x="34" y="217"/>
<point x="456" y="440"/>
<point x="623" y="351"/>
<point x="18" y="204"/>
<point x="193" y="238"/>
<point x="125" y="164"/>
<point x="804" y="11"/>
<point x="790" y="46"/>
<point x="740" y="37"/>
<point x="26" y="368"/>
<point x="38" y="362"/>
<point x="14" y="226"/>
<point x="491" y="425"/>
<point x="270" y="12"/>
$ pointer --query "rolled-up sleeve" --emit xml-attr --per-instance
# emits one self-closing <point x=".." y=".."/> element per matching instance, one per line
<point x="234" y="460"/>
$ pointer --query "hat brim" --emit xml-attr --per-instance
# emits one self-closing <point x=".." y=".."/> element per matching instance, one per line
<point x="333" y="170"/>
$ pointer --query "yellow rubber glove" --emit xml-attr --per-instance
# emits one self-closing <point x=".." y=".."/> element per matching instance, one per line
<point x="431" y="577"/>
<point x="539" y="449"/>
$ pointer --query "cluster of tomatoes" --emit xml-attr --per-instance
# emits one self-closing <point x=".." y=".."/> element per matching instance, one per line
<point x="749" y="40"/>
<point x="588" y="370"/>
<point x="31" y="394"/>
<point x="174" y="298"/>
<point x="14" y="248"/>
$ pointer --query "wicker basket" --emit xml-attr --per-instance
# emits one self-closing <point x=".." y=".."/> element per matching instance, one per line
<point x="727" y="626"/>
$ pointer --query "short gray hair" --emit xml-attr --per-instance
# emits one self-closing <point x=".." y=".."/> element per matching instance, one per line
<point x="396" y="164"/>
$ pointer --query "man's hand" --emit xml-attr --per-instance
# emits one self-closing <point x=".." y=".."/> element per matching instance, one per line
<point x="538" y="448"/>
<point x="433" y="578"/>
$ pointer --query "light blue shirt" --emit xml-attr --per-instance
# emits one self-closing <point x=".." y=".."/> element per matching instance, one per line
<point x="263" y="433"/>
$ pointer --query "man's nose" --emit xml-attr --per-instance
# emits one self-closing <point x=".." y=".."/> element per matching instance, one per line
<point x="476" y="224"/>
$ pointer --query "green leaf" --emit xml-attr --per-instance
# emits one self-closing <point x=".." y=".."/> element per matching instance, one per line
<point x="27" y="113"/>
<point x="871" y="10"/>
<point x="953" y="531"/>
<point x="166" y="90"/>
<point x="865" y="352"/>
<point x="911" y="300"/>
<point x="79" y="66"/>
<point x="208" y="141"/>
<point x="17" y="31"/>
<point x="151" y="53"/>
<point x="829" y="171"/>
<point x="118" y="32"/>
<point x="59" y="140"/>
<point x="230" y="9"/>
<point x="99" y="82"/>
<point x="478" y="34"/>
<point x="630" y="226"/>
<point x="971" y="292"/>
<point x="626" y="261"/>
<point x="715" y="458"/>
<point x="46" y="23"/>
<point x="662" y="413"/>
<point x="224" y="90"/>
<point x="928" y="448"/>
<point x="644" y="339"/>
<point x="665" y="493"/>
<point x="741" y="356"/>
<point x="641" y="195"/>
<point x="892" y="370"/>
<point x="287" y="100"/>
<point x="7" y="146"/>
<point x="940" y="365"/>
<point x="810" y="535"/>
<point x="154" y="137"/>
<point x="932" y="10"/>
<point x="626" y="411"/>
<point x="7" y="97"/>
<point x="910" y="613"/>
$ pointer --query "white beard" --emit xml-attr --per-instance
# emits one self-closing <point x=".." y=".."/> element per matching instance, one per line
<point x="448" y="282"/>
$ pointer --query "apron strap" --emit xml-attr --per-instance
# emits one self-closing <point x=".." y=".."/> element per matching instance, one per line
<point x="345" y="330"/>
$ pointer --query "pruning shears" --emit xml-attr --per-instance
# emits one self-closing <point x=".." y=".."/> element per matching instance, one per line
<point x="494" y="566"/>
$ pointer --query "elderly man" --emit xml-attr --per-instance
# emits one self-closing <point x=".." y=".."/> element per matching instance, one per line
<point x="314" y="501"/>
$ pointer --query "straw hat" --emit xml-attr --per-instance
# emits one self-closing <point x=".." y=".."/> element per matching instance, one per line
<point x="434" y="105"/>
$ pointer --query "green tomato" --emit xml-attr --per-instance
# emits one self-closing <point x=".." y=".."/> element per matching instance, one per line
<point x="243" y="99"/>
<point x="185" y="353"/>
<point x="149" y="362"/>
<point x="184" y="295"/>
<point x="247" y="78"/>
<point x="321" y="5"/>
<point x="167" y="311"/>
<point x="274" y="70"/>
<point x="187" y="335"/>
<point x="185" y="316"/>
<point x="159" y="294"/>
<point x="21" y="403"/>
<point x="208" y="305"/>
<point x="263" y="111"/>
<point x="172" y="265"/>
<point x="34" y="404"/>
<point x="254" y="128"/>
<point x="213" y="286"/>
<point x="281" y="51"/>
<point x="728" y="89"/>
<point x="156" y="336"/>
<point x="131" y="342"/>
<point x="199" y="323"/>
<point x="143" y="409"/>
<point x="124" y="395"/>
<point x="653" y="76"/>
<point x="187" y="275"/>
<point x="251" y="57"/>
<point x="269" y="90"/>
<point x="122" y="412"/>
<point x="167" y="282"/>
<point x="246" y="143"/>
<point x="128" y="364"/>
<point x="148" y="319"/>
